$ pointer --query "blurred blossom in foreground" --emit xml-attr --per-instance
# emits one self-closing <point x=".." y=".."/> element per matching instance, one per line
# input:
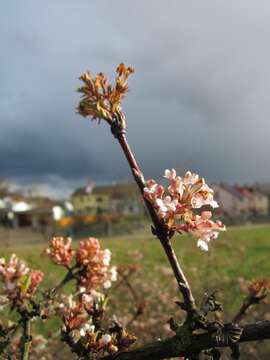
<point x="259" y="289"/>
<point x="19" y="281"/>
<point x="60" y="251"/>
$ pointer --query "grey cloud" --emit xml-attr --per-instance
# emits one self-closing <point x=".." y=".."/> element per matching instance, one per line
<point x="198" y="100"/>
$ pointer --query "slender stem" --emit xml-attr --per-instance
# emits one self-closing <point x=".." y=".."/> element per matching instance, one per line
<point x="131" y="289"/>
<point x="137" y="310"/>
<point x="243" y="309"/>
<point x="26" y="339"/>
<point x="160" y="230"/>
<point x="69" y="276"/>
<point x="235" y="352"/>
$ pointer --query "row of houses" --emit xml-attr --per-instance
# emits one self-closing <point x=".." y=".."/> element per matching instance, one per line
<point x="234" y="200"/>
<point x="92" y="203"/>
<point x="36" y="212"/>
<point x="87" y="204"/>
<point x="19" y="211"/>
<point x="238" y="201"/>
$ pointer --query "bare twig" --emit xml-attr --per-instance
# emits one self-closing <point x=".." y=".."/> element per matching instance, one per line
<point x="247" y="303"/>
<point x="68" y="277"/>
<point x="26" y="339"/>
<point x="235" y="352"/>
<point x="127" y="283"/>
<point x="258" y="290"/>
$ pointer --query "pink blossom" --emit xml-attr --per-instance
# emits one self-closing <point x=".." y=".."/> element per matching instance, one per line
<point x="60" y="251"/>
<point x="176" y="207"/>
<point x="96" y="265"/>
<point x="88" y="249"/>
<point x="166" y="206"/>
<point x="203" y="229"/>
<point x="36" y="278"/>
<point x="170" y="174"/>
<point x="152" y="191"/>
<point x="19" y="281"/>
<point x="14" y="269"/>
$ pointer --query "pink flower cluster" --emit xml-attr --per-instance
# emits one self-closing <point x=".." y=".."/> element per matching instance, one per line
<point x="60" y="251"/>
<point x="176" y="207"/>
<point x="93" y="262"/>
<point x="19" y="281"/>
<point x="36" y="276"/>
<point x="97" y="265"/>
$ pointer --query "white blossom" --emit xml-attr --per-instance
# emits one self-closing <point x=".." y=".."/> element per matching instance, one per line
<point x="105" y="339"/>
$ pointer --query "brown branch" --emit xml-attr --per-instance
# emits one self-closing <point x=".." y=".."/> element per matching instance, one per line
<point x="177" y="346"/>
<point x="26" y="339"/>
<point x="160" y="230"/>
<point x="247" y="303"/>
<point x="70" y="275"/>
<point x="139" y="306"/>
<point x="131" y="289"/>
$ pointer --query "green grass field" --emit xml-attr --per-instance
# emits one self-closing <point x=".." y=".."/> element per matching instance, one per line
<point x="240" y="252"/>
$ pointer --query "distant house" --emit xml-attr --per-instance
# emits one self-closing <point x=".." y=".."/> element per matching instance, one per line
<point x="85" y="201"/>
<point x="124" y="198"/>
<point x="250" y="198"/>
<point x="3" y="212"/>
<point x="33" y="212"/>
<point x="240" y="200"/>
<point x="259" y="203"/>
<point x="232" y="202"/>
<point x="20" y="211"/>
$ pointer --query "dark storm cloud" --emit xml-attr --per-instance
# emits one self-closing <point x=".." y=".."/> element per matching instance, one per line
<point x="199" y="99"/>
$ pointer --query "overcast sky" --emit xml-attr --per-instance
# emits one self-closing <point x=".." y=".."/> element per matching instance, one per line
<point x="199" y="99"/>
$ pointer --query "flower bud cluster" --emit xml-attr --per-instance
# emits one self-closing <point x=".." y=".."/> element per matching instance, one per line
<point x="79" y="326"/>
<point x="259" y="289"/>
<point x="96" y="264"/>
<point x="92" y="262"/>
<point x="18" y="280"/>
<point x="36" y="276"/>
<point x="100" y="99"/>
<point x="176" y="206"/>
<point x="60" y="251"/>
<point x="74" y="315"/>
